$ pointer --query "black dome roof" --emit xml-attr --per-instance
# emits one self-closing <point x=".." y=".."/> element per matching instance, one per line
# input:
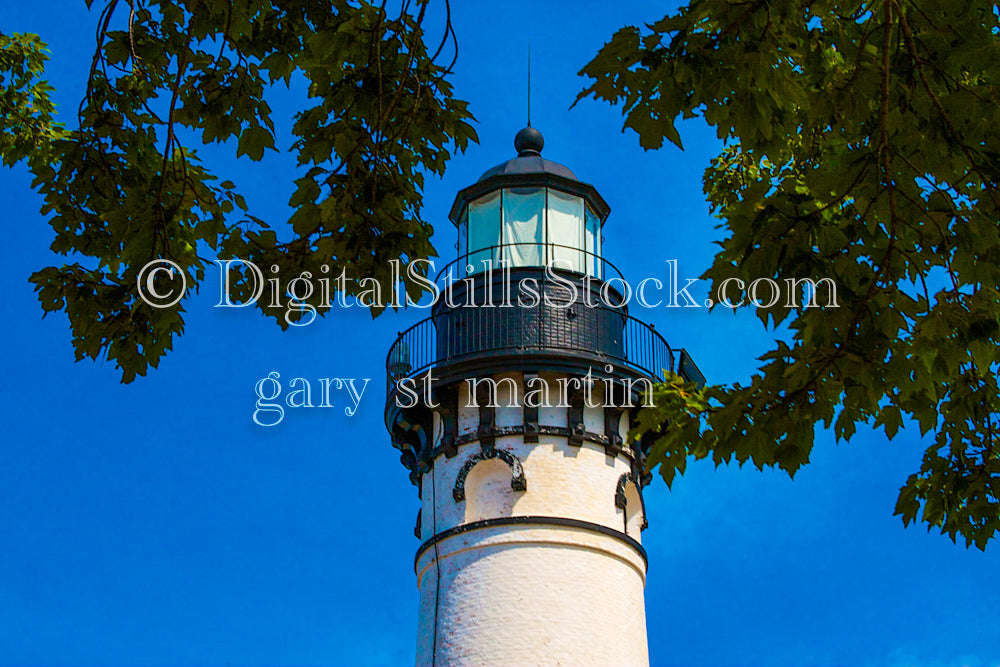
<point x="529" y="164"/>
<point x="528" y="144"/>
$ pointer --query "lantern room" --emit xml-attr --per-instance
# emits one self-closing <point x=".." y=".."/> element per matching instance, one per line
<point x="530" y="212"/>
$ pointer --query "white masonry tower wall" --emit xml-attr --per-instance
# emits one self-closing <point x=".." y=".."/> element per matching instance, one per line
<point x="531" y="551"/>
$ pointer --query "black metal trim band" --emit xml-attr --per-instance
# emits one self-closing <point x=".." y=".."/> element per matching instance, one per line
<point x="589" y="436"/>
<point x="532" y="520"/>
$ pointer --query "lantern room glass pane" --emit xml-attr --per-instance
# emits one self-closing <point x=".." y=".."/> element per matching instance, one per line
<point x="523" y="211"/>
<point x="565" y="231"/>
<point x="484" y="231"/>
<point x="592" y="238"/>
<point x="463" y="233"/>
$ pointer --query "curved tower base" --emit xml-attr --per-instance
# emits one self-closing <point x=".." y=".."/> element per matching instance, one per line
<point x="531" y="552"/>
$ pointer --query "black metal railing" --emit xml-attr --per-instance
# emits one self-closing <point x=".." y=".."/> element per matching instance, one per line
<point x="600" y="332"/>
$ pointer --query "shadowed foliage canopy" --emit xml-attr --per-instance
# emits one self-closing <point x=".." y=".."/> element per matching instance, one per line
<point x="126" y="185"/>
<point x="861" y="145"/>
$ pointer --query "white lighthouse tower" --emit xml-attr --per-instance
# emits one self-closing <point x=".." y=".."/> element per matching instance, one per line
<point x="531" y="507"/>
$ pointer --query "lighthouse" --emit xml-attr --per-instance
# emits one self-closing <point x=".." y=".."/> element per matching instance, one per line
<point x="510" y="406"/>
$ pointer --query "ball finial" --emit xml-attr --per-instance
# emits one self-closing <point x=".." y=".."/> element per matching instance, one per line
<point x="528" y="141"/>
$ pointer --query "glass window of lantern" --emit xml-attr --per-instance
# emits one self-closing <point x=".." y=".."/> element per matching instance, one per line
<point x="484" y="231"/>
<point x="592" y="236"/>
<point x="565" y="231"/>
<point x="523" y="226"/>
<point x="463" y="234"/>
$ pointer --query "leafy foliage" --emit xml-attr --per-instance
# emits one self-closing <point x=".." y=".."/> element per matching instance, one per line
<point x="26" y="122"/>
<point x="126" y="187"/>
<point x="861" y="145"/>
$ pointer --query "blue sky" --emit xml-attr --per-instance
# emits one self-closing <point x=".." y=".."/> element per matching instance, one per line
<point x="155" y="523"/>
